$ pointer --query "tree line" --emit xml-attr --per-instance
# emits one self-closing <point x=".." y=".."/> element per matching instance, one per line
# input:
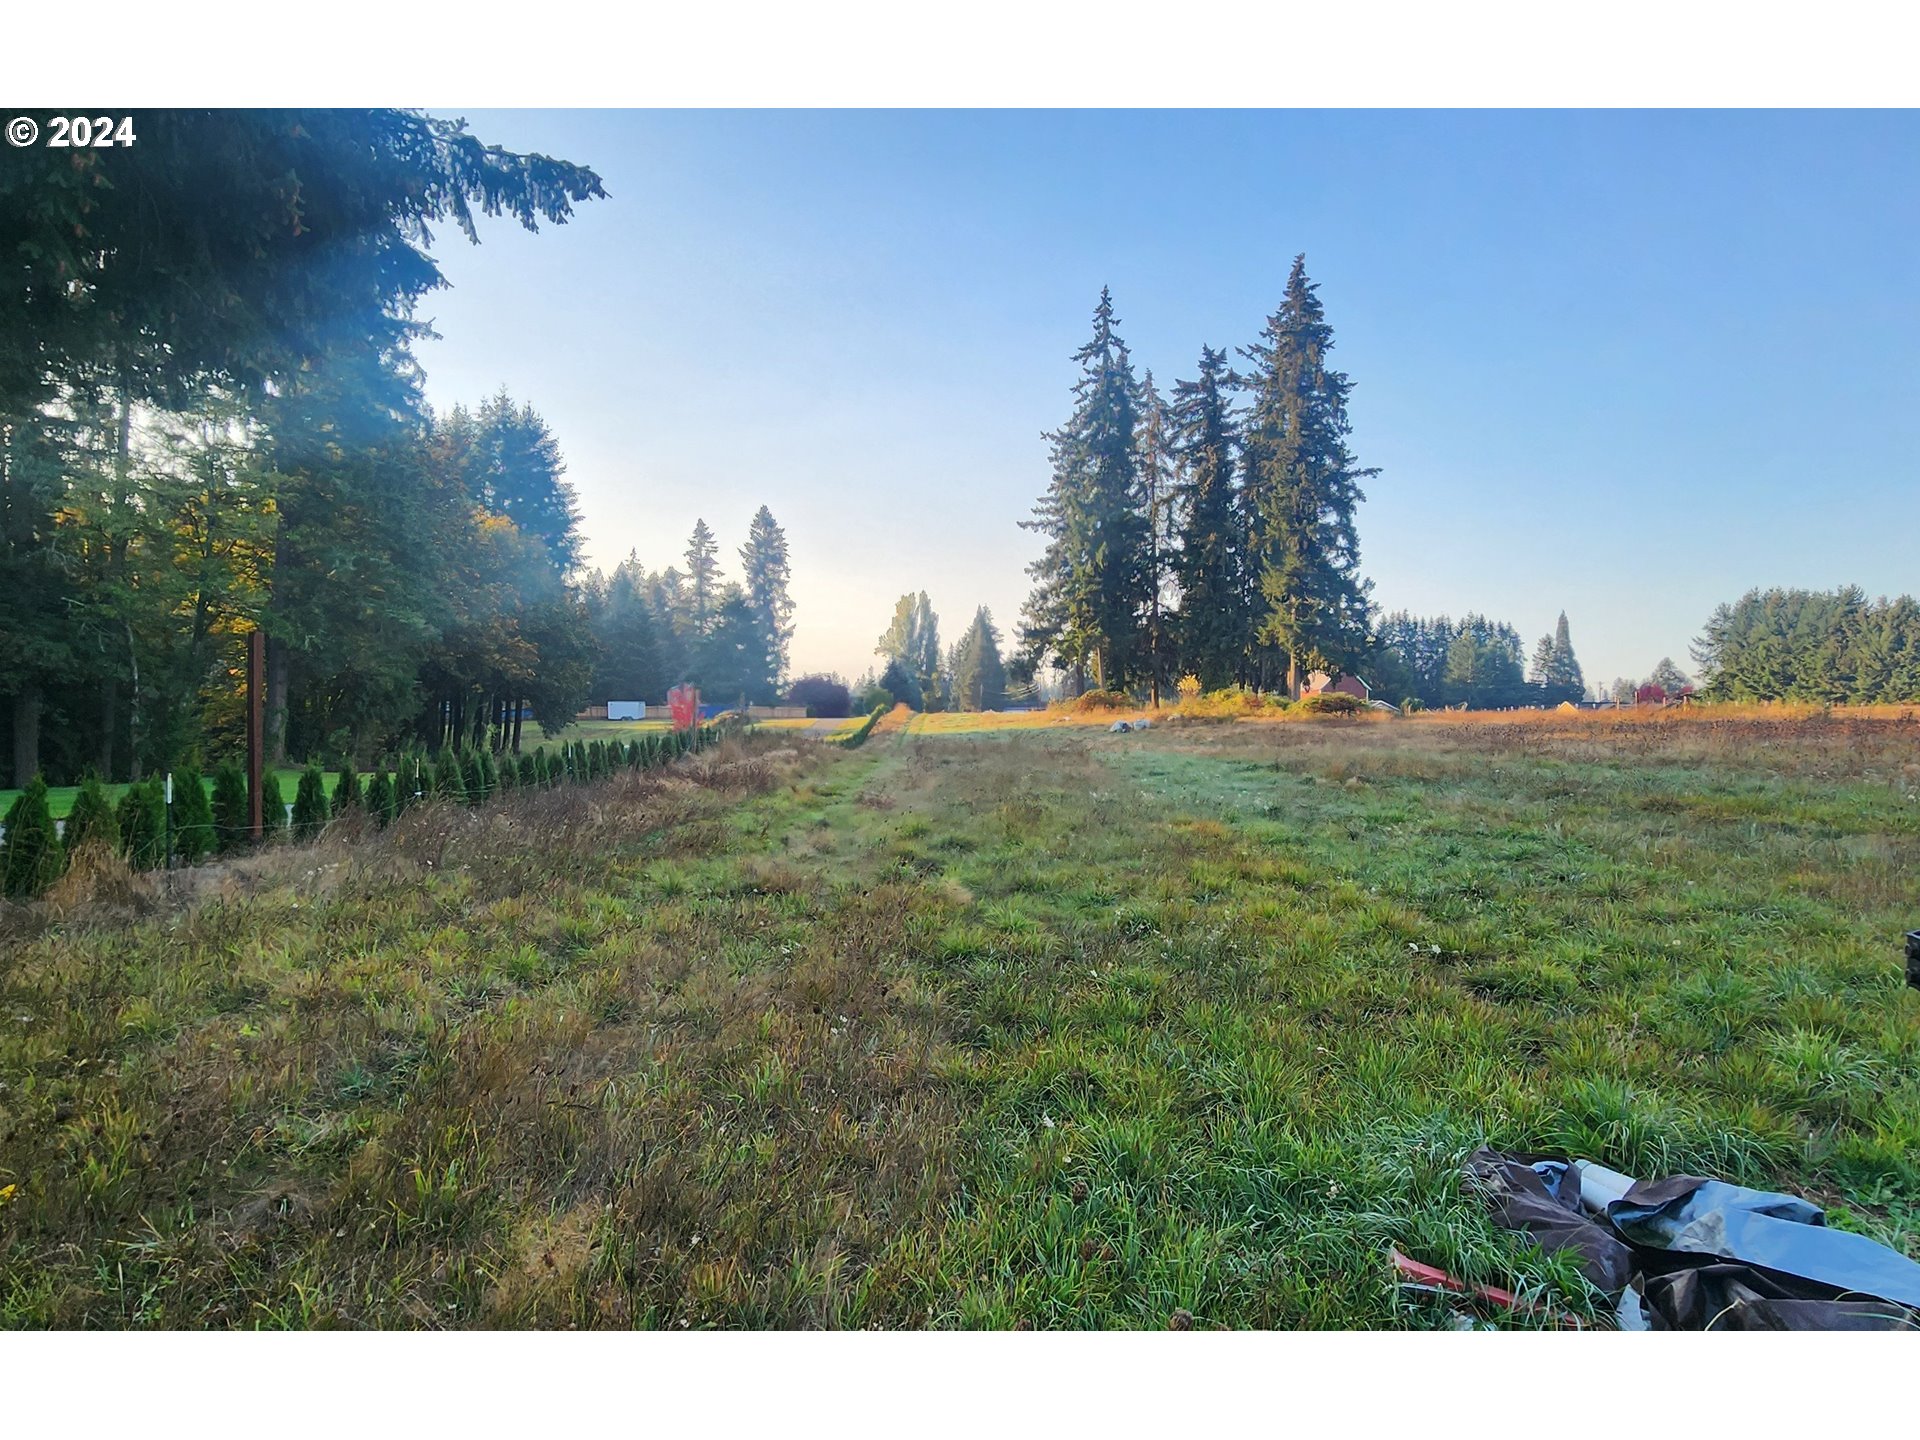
<point x="1211" y="532"/>
<point x="1831" y="647"/>
<point x="211" y="422"/>
<point x="658" y="629"/>
<point x="971" y="674"/>
<point x="1436" y="661"/>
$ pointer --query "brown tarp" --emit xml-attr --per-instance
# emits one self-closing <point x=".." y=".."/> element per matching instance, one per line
<point x="1540" y="1195"/>
<point x="1661" y="1288"/>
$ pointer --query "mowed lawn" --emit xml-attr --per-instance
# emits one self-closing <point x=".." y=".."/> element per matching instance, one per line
<point x="1037" y="1027"/>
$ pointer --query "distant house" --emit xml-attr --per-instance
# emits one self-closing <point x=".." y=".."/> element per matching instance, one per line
<point x="1321" y="683"/>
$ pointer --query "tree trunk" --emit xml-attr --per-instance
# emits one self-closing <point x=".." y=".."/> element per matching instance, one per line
<point x="133" y="709"/>
<point x="109" y="718"/>
<point x="518" y="706"/>
<point x="26" y="734"/>
<point x="123" y="501"/>
<point x="276" y="701"/>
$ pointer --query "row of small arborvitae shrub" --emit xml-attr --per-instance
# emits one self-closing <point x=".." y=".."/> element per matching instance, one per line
<point x="36" y="853"/>
<point x="859" y="733"/>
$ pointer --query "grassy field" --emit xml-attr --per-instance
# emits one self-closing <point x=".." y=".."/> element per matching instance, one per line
<point x="1012" y="1026"/>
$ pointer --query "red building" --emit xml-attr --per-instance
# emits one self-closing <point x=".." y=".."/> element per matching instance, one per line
<point x="1319" y="683"/>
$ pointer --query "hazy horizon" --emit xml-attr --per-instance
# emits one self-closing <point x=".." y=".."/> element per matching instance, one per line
<point x="1607" y="363"/>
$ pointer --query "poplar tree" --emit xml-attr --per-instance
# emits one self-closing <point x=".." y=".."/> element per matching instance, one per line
<point x="1304" y="484"/>
<point x="923" y="653"/>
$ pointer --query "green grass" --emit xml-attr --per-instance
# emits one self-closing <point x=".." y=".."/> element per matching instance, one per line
<point x="1037" y="1027"/>
<point x="60" y="797"/>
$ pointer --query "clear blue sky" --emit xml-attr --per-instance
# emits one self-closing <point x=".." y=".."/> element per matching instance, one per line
<point x="1624" y="364"/>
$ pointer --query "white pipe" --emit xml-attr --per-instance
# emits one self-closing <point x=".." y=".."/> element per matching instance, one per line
<point x="1599" y="1186"/>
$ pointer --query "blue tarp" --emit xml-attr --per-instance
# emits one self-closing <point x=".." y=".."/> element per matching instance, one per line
<point x="1759" y="1227"/>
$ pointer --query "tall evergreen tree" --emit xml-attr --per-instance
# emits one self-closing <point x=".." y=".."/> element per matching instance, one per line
<point x="1093" y="590"/>
<point x="1563" y="677"/>
<point x="247" y="249"/>
<point x="703" y="578"/>
<point x="1157" y="495"/>
<point x="630" y="665"/>
<point x="979" y="674"/>
<point x="1540" y="668"/>
<point x="521" y="476"/>
<point x="1824" y="646"/>
<point x="1304" y="485"/>
<point x="1209" y="562"/>
<point x="768" y="572"/>
<point x="1669" y="677"/>
<point x="736" y="658"/>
